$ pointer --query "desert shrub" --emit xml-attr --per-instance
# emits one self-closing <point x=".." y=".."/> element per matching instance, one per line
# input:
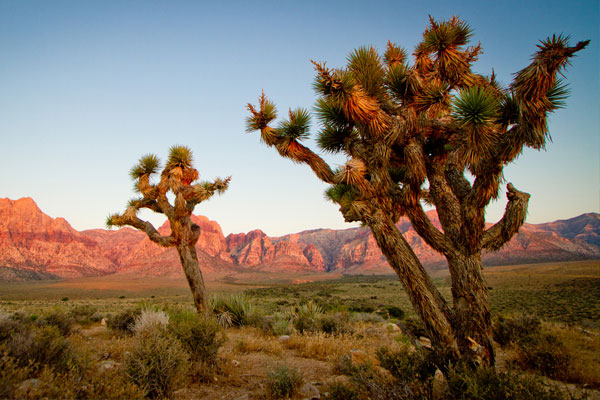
<point x="21" y="316"/>
<point x="340" y="390"/>
<point x="282" y="326"/>
<point x="371" y="383"/>
<point x="510" y="330"/>
<point x="58" y="318"/>
<point x="395" y="312"/>
<point x="13" y="373"/>
<point x="88" y="384"/>
<point x="40" y="346"/>
<point x="4" y="315"/>
<point x="334" y="324"/>
<point x="201" y="336"/>
<point x="233" y="310"/>
<point x="83" y="313"/>
<point x="10" y="327"/>
<point x="263" y="322"/>
<point x="282" y="382"/>
<point x="413" y="326"/>
<point x="124" y="321"/>
<point x="156" y="364"/>
<point x="97" y="316"/>
<point x="305" y="317"/>
<point x="150" y="320"/>
<point x="464" y="383"/>
<point x="545" y="353"/>
<point x="406" y="365"/>
<point x="366" y="317"/>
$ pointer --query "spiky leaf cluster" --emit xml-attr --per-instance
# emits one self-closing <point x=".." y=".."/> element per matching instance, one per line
<point x="147" y="165"/>
<point x="297" y="126"/>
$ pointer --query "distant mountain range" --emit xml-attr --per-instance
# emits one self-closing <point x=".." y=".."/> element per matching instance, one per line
<point x="36" y="246"/>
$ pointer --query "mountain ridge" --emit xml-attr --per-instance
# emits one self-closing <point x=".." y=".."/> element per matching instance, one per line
<point x="36" y="246"/>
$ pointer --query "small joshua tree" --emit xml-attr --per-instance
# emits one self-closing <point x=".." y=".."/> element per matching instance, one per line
<point x="177" y="177"/>
<point x="432" y="132"/>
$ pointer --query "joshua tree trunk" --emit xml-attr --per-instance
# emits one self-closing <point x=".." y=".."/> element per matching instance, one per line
<point x="191" y="268"/>
<point x="472" y="322"/>
<point x="424" y="296"/>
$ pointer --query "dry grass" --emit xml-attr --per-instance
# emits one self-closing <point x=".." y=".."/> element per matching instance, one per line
<point x="582" y="348"/>
<point x="252" y="343"/>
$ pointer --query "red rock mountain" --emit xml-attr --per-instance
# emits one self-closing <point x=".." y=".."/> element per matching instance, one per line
<point x="35" y="246"/>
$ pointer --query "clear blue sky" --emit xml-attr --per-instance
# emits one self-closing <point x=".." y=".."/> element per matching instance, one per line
<point x="87" y="87"/>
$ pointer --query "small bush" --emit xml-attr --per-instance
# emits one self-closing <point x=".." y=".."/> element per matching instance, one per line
<point x="282" y="327"/>
<point x="199" y="335"/>
<point x="407" y="366"/>
<point x="340" y="390"/>
<point x="413" y="326"/>
<point x="511" y="330"/>
<point x="366" y="317"/>
<point x="305" y="317"/>
<point x="156" y="364"/>
<point x="334" y="324"/>
<point x="40" y="346"/>
<point x="58" y="318"/>
<point x="395" y="312"/>
<point x="124" y="321"/>
<point x="234" y="310"/>
<point x="150" y="320"/>
<point x="10" y="327"/>
<point x="465" y="383"/>
<point x="282" y="382"/>
<point x="373" y="384"/>
<point x="544" y="353"/>
<point x="13" y="373"/>
<point x="83" y="313"/>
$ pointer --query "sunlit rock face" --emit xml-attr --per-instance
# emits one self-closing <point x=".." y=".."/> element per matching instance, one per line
<point x="36" y="246"/>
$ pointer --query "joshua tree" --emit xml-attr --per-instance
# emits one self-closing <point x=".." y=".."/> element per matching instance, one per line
<point x="177" y="177"/>
<point x="433" y="132"/>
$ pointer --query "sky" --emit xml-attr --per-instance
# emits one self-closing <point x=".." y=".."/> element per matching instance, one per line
<point x="87" y="87"/>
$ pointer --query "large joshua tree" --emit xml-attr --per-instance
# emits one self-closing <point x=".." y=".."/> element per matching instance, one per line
<point x="177" y="178"/>
<point x="432" y="132"/>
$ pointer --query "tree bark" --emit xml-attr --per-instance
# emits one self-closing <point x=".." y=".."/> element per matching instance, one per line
<point x="472" y="321"/>
<point x="424" y="296"/>
<point x="191" y="268"/>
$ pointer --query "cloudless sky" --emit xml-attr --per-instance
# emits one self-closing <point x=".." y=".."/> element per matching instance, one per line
<point x="87" y="87"/>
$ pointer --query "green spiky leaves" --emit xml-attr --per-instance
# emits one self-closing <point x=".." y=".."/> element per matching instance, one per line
<point x="336" y="84"/>
<point x="476" y="112"/>
<point x="111" y="220"/>
<point x="558" y="94"/>
<point x="440" y="36"/>
<point x="342" y="194"/>
<point x="180" y="156"/>
<point x="147" y="165"/>
<point x="337" y="130"/>
<point x="297" y="126"/>
<point x="475" y="107"/>
<point x="399" y="82"/>
<point x="367" y="70"/>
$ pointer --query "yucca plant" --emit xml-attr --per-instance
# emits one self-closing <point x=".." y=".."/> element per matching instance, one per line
<point x="232" y="310"/>
<point x="435" y="132"/>
<point x="177" y="177"/>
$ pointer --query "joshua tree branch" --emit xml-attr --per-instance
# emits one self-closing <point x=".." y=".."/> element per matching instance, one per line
<point x="514" y="217"/>
<point x="129" y="218"/>
<point x="430" y="234"/>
